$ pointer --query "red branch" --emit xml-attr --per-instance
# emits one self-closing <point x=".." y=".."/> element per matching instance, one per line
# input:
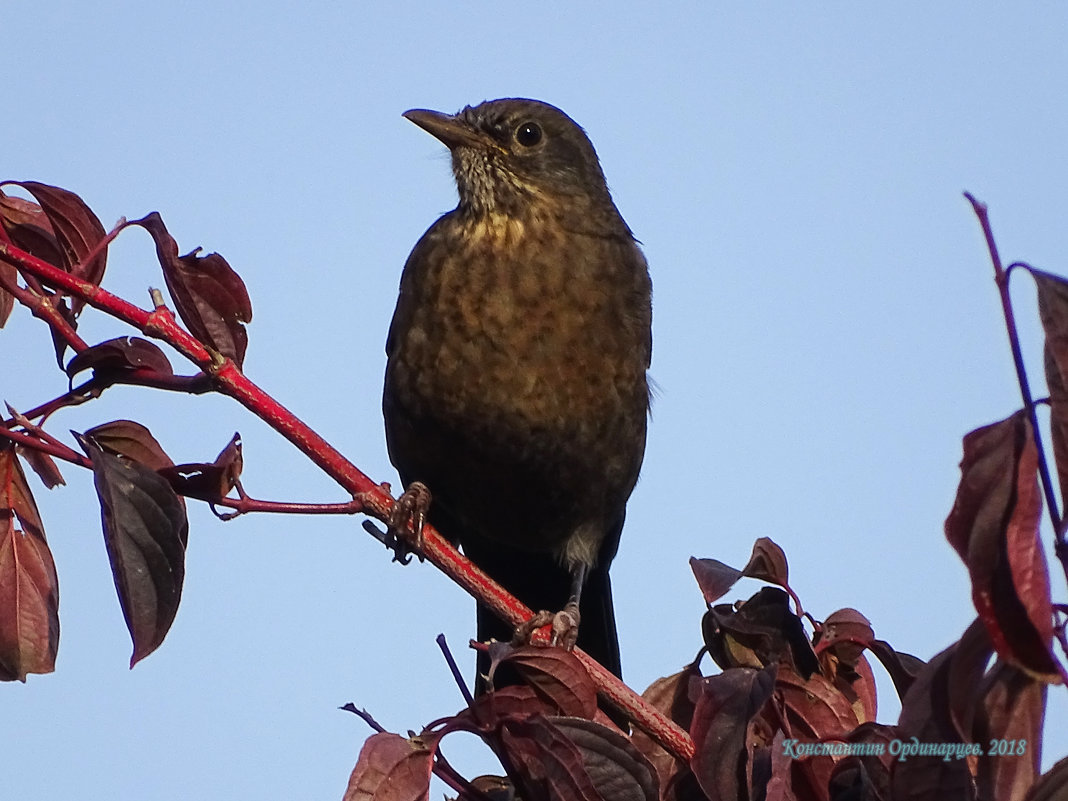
<point x="372" y="497"/>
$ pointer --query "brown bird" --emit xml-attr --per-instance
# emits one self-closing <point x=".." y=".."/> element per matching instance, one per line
<point x="516" y="382"/>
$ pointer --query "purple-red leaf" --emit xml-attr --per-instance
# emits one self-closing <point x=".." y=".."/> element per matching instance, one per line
<point x="768" y="563"/>
<point x="29" y="603"/>
<point x="549" y="766"/>
<point x="208" y="481"/>
<point x="994" y="528"/>
<point x="77" y="231"/>
<point x="132" y="440"/>
<point x="557" y="677"/>
<point x="209" y="296"/>
<point x="29" y="587"/>
<point x="29" y="229"/>
<point x="391" y="768"/>
<point x="615" y="766"/>
<point x="1014" y="709"/>
<point x="713" y="577"/>
<point x="725" y="705"/>
<point x="145" y="531"/>
<point x="1053" y="311"/>
<point x="43" y="465"/>
<point x="119" y="355"/>
<point x="671" y="695"/>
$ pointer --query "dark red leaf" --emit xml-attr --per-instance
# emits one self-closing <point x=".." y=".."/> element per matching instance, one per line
<point x="29" y="587"/>
<point x="846" y="632"/>
<point x="548" y="765"/>
<point x="59" y="341"/>
<point x="725" y="705"/>
<point x="815" y="711"/>
<point x="964" y="675"/>
<point x="768" y="563"/>
<point x="925" y="716"/>
<point x="902" y="667"/>
<point x="145" y="531"/>
<point x="29" y="229"/>
<point x="1014" y="708"/>
<point x="1052" y="785"/>
<point x="391" y="768"/>
<point x="77" y="230"/>
<point x="1053" y="311"/>
<point x="557" y="677"/>
<point x="670" y="695"/>
<point x="29" y="603"/>
<point x="208" y="481"/>
<point x="994" y="527"/>
<point x="120" y="355"/>
<point x="713" y="577"/>
<point x="617" y="768"/>
<point x="761" y="631"/>
<point x="7" y="300"/>
<point x="209" y="296"/>
<point x="814" y="706"/>
<point x="132" y="440"/>
<point x="43" y="465"/>
<point x="16" y="496"/>
<point x="513" y="701"/>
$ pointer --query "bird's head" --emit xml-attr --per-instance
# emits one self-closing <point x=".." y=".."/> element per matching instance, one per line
<point x="508" y="153"/>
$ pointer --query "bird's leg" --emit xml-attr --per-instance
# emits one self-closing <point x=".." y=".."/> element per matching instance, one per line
<point x="566" y="621"/>
<point x="409" y="509"/>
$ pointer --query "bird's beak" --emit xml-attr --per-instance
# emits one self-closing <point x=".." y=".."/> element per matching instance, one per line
<point x="448" y="128"/>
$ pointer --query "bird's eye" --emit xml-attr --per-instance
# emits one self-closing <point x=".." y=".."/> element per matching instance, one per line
<point x="528" y="134"/>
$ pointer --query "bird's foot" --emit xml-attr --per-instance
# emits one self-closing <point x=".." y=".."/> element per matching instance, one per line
<point x="406" y="520"/>
<point x="565" y="627"/>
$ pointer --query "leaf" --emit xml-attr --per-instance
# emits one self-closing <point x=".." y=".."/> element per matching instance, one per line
<point x="132" y="440"/>
<point x="77" y="231"/>
<point x="993" y="526"/>
<point x="925" y="716"/>
<point x="902" y="667"/>
<point x="145" y="531"/>
<point x="725" y="705"/>
<point x="209" y="482"/>
<point x="617" y="768"/>
<point x="29" y="586"/>
<point x="119" y="355"/>
<point x="557" y="677"/>
<point x="761" y="631"/>
<point x="1014" y="708"/>
<point x="43" y="465"/>
<point x="1052" y="785"/>
<point x="29" y="229"/>
<point x="209" y="296"/>
<point x="29" y="604"/>
<point x="670" y="695"/>
<point x="548" y="765"/>
<point x="7" y="301"/>
<point x="768" y="563"/>
<point x="391" y="768"/>
<point x="16" y="495"/>
<point x="1053" y="311"/>
<point x="713" y="577"/>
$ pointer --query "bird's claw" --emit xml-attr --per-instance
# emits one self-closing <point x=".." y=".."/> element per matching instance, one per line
<point x="565" y="627"/>
<point x="406" y="520"/>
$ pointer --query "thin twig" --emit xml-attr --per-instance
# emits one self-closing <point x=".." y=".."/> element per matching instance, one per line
<point x="1001" y="277"/>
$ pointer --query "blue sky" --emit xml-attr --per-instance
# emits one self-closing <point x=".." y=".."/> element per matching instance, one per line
<point x="825" y="329"/>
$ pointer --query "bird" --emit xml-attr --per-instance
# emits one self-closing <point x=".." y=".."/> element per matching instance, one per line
<point x="516" y="385"/>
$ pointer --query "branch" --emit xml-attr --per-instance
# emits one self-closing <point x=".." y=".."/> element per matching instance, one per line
<point x="370" y="497"/>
